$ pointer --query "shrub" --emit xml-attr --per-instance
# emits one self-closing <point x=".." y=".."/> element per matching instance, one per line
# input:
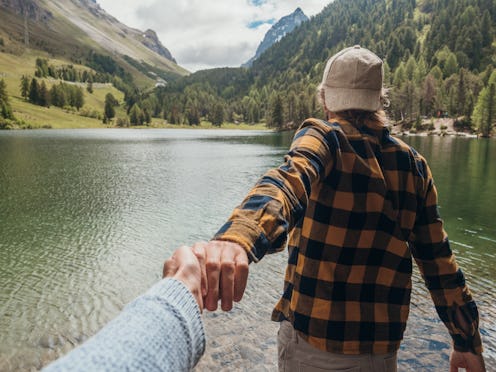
<point x="418" y="123"/>
<point x="90" y="112"/>
<point x="6" y="123"/>
<point x="462" y="125"/>
<point x="431" y="125"/>
<point x="122" y="122"/>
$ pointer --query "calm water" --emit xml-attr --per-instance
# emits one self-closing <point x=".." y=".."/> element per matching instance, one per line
<point x="88" y="216"/>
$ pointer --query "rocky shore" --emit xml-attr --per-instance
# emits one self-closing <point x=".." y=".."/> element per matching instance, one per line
<point x="432" y="127"/>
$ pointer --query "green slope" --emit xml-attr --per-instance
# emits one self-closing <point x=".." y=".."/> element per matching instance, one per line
<point x="69" y="32"/>
<point x="12" y="67"/>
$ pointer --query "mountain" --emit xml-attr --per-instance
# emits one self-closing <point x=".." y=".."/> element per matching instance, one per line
<point x="73" y="29"/>
<point x="280" y="29"/>
<point x="438" y="62"/>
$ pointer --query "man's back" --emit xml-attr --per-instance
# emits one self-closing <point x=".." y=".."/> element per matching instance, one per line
<point x="348" y="280"/>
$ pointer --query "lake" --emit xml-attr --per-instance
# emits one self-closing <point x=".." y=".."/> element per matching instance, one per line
<point x="87" y="218"/>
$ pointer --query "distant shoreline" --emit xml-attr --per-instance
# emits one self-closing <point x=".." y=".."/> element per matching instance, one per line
<point x="433" y="127"/>
<point x="154" y="125"/>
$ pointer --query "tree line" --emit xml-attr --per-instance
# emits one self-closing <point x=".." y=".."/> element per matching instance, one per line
<point x="438" y="62"/>
<point x="60" y="95"/>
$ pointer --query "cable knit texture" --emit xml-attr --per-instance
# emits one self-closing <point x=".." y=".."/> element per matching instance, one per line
<point x="160" y="330"/>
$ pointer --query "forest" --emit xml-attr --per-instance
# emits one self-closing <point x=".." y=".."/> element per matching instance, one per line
<point x="438" y="60"/>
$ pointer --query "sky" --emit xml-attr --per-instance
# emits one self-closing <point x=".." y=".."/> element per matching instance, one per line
<point x="204" y="34"/>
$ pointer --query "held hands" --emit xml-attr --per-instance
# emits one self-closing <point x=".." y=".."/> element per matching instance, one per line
<point x="212" y="271"/>
<point x="184" y="266"/>
<point x="471" y="362"/>
<point x="224" y="273"/>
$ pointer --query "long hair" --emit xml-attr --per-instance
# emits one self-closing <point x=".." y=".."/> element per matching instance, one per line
<point x="371" y="119"/>
<point x="358" y="117"/>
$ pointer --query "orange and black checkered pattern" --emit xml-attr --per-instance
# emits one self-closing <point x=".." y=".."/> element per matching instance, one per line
<point x="357" y="204"/>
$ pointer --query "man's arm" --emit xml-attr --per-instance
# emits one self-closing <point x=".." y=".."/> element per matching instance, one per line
<point x="444" y="279"/>
<point x="260" y="224"/>
<point x="160" y="330"/>
<point x="270" y="210"/>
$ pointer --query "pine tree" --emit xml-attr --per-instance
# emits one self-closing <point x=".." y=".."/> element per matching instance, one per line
<point x="5" y="108"/>
<point x="78" y="97"/>
<point x="24" y="87"/>
<point x="147" y="117"/>
<point x="217" y="117"/>
<point x="461" y="94"/>
<point x="193" y="113"/>
<point x="277" y="114"/>
<point x="44" y="95"/>
<point x="3" y="91"/>
<point x="450" y="66"/>
<point x="136" y="115"/>
<point x="110" y="103"/>
<point x="34" y="89"/>
<point x="485" y="110"/>
<point x="428" y="97"/>
<point x="109" y="111"/>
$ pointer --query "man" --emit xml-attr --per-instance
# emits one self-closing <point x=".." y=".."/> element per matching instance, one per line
<point x="357" y="205"/>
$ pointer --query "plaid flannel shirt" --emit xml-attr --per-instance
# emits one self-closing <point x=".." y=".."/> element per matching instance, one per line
<point x="357" y="204"/>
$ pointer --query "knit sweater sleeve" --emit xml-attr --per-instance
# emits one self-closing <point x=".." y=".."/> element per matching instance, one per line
<point x="160" y="330"/>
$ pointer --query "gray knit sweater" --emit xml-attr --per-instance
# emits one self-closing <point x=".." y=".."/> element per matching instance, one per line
<point x="159" y="331"/>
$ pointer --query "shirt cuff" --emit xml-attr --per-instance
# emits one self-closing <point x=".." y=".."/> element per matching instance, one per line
<point x="472" y="344"/>
<point x="247" y="235"/>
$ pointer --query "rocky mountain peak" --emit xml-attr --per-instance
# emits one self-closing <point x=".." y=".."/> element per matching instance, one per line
<point x="151" y="41"/>
<point x="284" y="26"/>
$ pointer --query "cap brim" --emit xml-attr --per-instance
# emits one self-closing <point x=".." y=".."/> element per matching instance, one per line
<point x="341" y="99"/>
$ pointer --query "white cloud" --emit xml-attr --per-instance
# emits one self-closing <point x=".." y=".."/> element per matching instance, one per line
<point x="205" y="34"/>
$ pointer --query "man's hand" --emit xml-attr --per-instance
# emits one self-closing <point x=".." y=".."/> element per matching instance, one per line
<point x="184" y="266"/>
<point x="224" y="272"/>
<point x="471" y="362"/>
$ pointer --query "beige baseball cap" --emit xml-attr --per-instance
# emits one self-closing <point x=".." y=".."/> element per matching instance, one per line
<point x="353" y="80"/>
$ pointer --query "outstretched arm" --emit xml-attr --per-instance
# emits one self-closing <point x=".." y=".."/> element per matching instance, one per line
<point x="260" y="224"/>
<point x="445" y="280"/>
<point x="160" y="330"/>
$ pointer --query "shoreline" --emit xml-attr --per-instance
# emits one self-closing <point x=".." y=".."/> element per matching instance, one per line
<point x="442" y="128"/>
<point x="435" y="133"/>
<point x="229" y="126"/>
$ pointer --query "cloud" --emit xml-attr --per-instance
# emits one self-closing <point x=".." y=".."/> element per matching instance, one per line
<point x="205" y="34"/>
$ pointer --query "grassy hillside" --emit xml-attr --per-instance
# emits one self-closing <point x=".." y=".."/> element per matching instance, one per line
<point x="78" y="34"/>
<point x="71" y="29"/>
<point x="32" y="116"/>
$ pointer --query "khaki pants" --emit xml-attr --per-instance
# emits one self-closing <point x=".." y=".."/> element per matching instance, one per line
<point x="297" y="355"/>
